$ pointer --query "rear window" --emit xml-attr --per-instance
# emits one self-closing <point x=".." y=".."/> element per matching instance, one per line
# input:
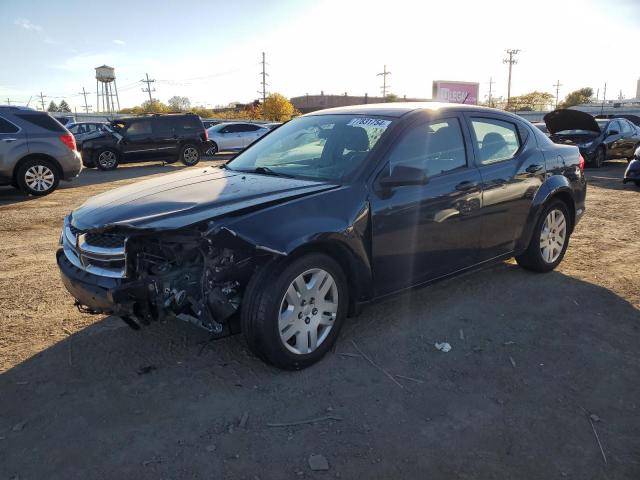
<point x="189" y="124"/>
<point x="7" y="127"/>
<point x="43" y="121"/>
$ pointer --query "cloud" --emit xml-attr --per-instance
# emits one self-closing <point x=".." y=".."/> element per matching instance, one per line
<point x="119" y="42"/>
<point x="27" y="25"/>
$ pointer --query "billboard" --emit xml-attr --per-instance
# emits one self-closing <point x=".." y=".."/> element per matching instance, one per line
<point x="456" y="92"/>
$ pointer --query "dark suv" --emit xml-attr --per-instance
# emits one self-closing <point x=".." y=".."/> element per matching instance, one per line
<point x="326" y="213"/>
<point x="36" y="151"/>
<point x="151" y="137"/>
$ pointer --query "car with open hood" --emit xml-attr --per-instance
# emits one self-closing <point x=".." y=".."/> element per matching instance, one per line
<point x="328" y="212"/>
<point x="598" y="139"/>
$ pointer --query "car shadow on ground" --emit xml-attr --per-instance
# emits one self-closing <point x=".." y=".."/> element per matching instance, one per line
<point x="93" y="176"/>
<point x="609" y="176"/>
<point x="531" y="356"/>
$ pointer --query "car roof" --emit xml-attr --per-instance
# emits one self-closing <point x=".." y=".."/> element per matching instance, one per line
<point x="399" y="109"/>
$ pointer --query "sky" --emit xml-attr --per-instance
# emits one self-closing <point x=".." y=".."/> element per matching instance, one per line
<point x="210" y="51"/>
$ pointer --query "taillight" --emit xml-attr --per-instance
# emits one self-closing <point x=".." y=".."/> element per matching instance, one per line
<point x="69" y="140"/>
<point x="581" y="164"/>
<point x="205" y="136"/>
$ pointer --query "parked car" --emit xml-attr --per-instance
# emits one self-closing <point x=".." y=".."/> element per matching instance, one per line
<point x="598" y="140"/>
<point x="150" y="137"/>
<point x="635" y="119"/>
<point x="36" y="151"/>
<point x="210" y="123"/>
<point x="83" y="128"/>
<point x="330" y="211"/>
<point x="632" y="173"/>
<point x="233" y="136"/>
<point x="542" y="127"/>
<point x="272" y="125"/>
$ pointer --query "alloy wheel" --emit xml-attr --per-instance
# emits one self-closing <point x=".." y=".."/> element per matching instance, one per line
<point x="107" y="159"/>
<point x="190" y="155"/>
<point x="553" y="236"/>
<point x="39" y="178"/>
<point x="308" y="311"/>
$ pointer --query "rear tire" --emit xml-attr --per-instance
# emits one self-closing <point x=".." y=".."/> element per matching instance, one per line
<point x="212" y="150"/>
<point x="189" y="155"/>
<point x="107" y="159"/>
<point x="598" y="160"/>
<point x="37" y="177"/>
<point x="293" y="334"/>
<point x="549" y="240"/>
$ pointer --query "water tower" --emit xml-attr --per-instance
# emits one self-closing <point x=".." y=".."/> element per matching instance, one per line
<point x="106" y="90"/>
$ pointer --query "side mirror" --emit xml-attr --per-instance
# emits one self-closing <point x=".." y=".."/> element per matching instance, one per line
<point x="612" y="132"/>
<point x="402" y="175"/>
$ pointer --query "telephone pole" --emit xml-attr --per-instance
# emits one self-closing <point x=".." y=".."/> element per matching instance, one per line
<point x="557" y="85"/>
<point x="148" y="89"/>
<point x="42" y="101"/>
<point x="84" y="93"/>
<point x="491" y="82"/>
<point x="604" y="97"/>
<point x="264" y="79"/>
<point x="512" y="52"/>
<point x="8" y="101"/>
<point x="384" y="74"/>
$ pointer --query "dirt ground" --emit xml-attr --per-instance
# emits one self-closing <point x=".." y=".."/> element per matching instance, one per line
<point x="533" y="356"/>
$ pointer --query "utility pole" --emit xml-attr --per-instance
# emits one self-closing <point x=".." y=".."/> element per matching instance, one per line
<point x="557" y="85"/>
<point x="491" y="82"/>
<point x="148" y="89"/>
<point x="42" y="101"/>
<point x="511" y="52"/>
<point x="84" y="93"/>
<point x="384" y="74"/>
<point x="604" y="97"/>
<point x="264" y="74"/>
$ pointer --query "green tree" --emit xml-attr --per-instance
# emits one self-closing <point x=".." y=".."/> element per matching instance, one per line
<point x="154" y="106"/>
<point x="531" y="101"/>
<point x="52" y="107"/>
<point x="179" y="104"/>
<point x="577" y="97"/>
<point x="276" y="108"/>
<point x="391" y="97"/>
<point x="64" y="107"/>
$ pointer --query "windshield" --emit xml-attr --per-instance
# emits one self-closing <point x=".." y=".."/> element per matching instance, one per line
<point x="602" y="124"/>
<point x="217" y="127"/>
<point x="322" y="147"/>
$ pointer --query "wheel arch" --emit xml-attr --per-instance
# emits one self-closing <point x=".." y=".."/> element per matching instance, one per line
<point x="37" y="156"/>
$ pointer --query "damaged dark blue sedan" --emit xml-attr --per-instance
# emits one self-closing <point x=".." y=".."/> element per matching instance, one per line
<point x="321" y="216"/>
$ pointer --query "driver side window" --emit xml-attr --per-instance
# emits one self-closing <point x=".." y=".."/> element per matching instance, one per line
<point x="434" y="147"/>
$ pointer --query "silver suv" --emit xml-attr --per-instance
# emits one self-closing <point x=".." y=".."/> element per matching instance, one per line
<point x="36" y="151"/>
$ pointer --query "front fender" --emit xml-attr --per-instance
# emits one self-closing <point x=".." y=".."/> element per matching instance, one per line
<point x="553" y="186"/>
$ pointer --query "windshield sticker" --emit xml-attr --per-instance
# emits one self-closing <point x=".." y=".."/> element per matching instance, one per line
<point x="369" y="122"/>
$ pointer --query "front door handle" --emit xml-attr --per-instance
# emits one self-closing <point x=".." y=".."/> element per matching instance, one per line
<point x="466" y="186"/>
<point x="535" y="168"/>
<point x="7" y="140"/>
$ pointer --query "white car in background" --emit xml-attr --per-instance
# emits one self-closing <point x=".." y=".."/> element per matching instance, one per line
<point x="233" y="136"/>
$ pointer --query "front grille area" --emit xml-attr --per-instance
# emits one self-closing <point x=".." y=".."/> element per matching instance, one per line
<point x="100" y="254"/>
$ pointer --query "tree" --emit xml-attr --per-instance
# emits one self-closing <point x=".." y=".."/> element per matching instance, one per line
<point x="179" y="104"/>
<point x="391" y="97"/>
<point x="64" y="107"/>
<point x="577" y="97"/>
<point x="154" y="106"/>
<point x="277" y="108"/>
<point x="52" y="107"/>
<point x="531" y="101"/>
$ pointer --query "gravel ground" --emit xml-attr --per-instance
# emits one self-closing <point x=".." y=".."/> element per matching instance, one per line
<point x="533" y="356"/>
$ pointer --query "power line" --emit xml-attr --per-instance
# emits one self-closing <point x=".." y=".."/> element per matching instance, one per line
<point x="557" y="85"/>
<point x="384" y="74"/>
<point x="511" y="61"/>
<point x="148" y="89"/>
<point x="264" y="79"/>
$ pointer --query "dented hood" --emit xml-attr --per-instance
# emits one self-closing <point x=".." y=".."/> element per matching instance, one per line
<point x="188" y="197"/>
<point x="560" y="120"/>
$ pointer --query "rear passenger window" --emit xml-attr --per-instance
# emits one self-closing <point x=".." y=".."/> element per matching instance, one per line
<point x="434" y="147"/>
<point x="497" y="140"/>
<point x="142" y="127"/>
<point x="7" y="127"/>
<point x="42" y="120"/>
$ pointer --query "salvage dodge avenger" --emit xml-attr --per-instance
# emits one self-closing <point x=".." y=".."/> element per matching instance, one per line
<point x="321" y="216"/>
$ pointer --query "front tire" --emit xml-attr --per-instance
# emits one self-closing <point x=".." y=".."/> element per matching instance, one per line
<point x="293" y="310"/>
<point x="107" y="159"/>
<point x="549" y="240"/>
<point x="212" y="150"/>
<point x="189" y="155"/>
<point x="598" y="160"/>
<point x="37" y="177"/>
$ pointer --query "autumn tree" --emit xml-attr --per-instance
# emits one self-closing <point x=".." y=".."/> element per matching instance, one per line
<point x="179" y="104"/>
<point x="277" y="108"/>
<point x="577" y="97"/>
<point x="52" y="107"/>
<point x="154" y="106"/>
<point x="531" y="102"/>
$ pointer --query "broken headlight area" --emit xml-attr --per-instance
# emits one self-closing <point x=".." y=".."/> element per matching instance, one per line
<point x="185" y="276"/>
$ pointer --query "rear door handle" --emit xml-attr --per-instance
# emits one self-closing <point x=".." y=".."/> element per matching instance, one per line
<point x="466" y="186"/>
<point x="535" y="168"/>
